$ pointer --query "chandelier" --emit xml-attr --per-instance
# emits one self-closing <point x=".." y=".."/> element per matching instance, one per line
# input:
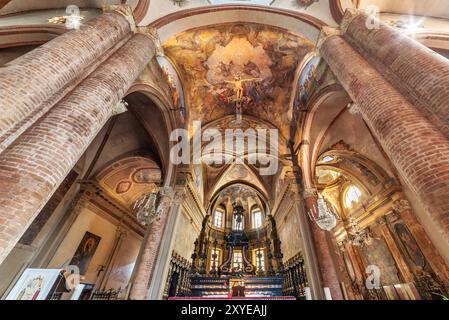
<point x="323" y="215"/>
<point x="357" y="236"/>
<point x="145" y="209"/>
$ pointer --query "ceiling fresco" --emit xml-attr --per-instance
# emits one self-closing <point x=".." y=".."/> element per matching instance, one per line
<point x="216" y="62"/>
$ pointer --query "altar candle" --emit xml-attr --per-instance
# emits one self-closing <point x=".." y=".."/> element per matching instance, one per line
<point x="308" y="293"/>
<point x="327" y="293"/>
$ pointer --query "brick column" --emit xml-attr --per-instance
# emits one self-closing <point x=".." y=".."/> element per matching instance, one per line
<point x="409" y="65"/>
<point x="32" y="79"/>
<point x="328" y="269"/>
<point x="150" y="248"/>
<point x="32" y="168"/>
<point x="419" y="151"/>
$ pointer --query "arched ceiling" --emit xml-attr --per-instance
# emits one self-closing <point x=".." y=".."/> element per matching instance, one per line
<point x="429" y="8"/>
<point x="128" y="179"/>
<point x="14" y="6"/>
<point x="209" y="58"/>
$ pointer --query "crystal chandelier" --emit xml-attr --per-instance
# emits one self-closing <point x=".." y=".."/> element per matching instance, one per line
<point x="323" y="216"/>
<point x="145" y="208"/>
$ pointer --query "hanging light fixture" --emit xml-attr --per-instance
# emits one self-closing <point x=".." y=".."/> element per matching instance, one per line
<point x="323" y="215"/>
<point x="145" y="208"/>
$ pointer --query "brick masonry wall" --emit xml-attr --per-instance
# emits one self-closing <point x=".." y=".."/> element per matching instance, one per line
<point x="30" y="80"/>
<point x="33" y="167"/>
<point x="46" y="212"/>
<point x="418" y="150"/>
<point x="419" y="73"/>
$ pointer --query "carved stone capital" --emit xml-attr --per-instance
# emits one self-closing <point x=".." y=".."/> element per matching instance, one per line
<point x="310" y="192"/>
<point x="180" y="196"/>
<point x="123" y="9"/>
<point x="401" y="205"/>
<point x="167" y="192"/>
<point x="326" y="32"/>
<point x="349" y="16"/>
<point x="152" y="33"/>
<point x="354" y="109"/>
<point x="120" y="107"/>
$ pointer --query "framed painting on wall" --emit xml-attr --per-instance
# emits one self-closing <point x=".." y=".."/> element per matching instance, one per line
<point x="34" y="284"/>
<point x="85" y="252"/>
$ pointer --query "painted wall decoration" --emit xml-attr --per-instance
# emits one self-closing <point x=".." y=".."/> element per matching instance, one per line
<point x="257" y="59"/>
<point x="377" y="253"/>
<point x="306" y="81"/>
<point x="411" y="247"/>
<point x="175" y="83"/>
<point x="34" y="284"/>
<point x="85" y="252"/>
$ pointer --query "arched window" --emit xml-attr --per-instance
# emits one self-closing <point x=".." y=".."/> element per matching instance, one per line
<point x="352" y="196"/>
<point x="219" y="217"/>
<point x="257" y="217"/>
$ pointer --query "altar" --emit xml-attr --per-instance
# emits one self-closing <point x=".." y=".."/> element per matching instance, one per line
<point x="236" y="287"/>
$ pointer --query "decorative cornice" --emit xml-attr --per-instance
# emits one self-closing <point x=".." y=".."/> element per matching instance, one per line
<point x="317" y="23"/>
<point x="349" y="16"/>
<point x="326" y="32"/>
<point x="124" y="10"/>
<point x="153" y="35"/>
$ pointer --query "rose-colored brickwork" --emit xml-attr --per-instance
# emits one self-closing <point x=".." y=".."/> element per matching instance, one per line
<point x="328" y="269"/>
<point x="418" y="150"/>
<point x="420" y="74"/>
<point x="33" y="167"/>
<point x="30" y="80"/>
<point x="147" y="260"/>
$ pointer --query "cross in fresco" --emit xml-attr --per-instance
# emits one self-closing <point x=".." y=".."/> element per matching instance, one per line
<point x="238" y="93"/>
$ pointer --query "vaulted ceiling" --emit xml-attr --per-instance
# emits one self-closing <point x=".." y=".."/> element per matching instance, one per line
<point x="265" y="58"/>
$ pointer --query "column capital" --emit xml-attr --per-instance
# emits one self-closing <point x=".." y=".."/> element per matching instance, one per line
<point x="167" y="192"/>
<point x="354" y="109"/>
<point x="401" y="205"/>
<point x="179" y="196"/>
<point x="349" y="16"/>
<point x="325" y="33"/>
<point x="123" y="9"/>
<point x="310" y="193"/>
<point x="153" y="34"/>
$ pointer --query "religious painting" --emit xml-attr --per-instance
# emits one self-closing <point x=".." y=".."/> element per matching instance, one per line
<point x="378" y="254"/>
<point x="306" y="83"/>
<point x="411" y="247"/>
<point x="175" y="84"/>
<point x="147" y="175"/>
<point x="229" y="68"/>
<point x="34" y="284"/>
<point x="85" y="252"/>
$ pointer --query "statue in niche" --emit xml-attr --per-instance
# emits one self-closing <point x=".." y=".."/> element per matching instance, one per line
<point x="238" y="217"/>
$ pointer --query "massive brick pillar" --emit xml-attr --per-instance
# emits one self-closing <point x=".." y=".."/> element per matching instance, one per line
<point x="33" y="167"/>
<point x="150" y="248"/>
<point x="30" y="81"/>
<point x="328" y="269"/>
<point x="417" y="71"/>
<point x="419" y="151"/>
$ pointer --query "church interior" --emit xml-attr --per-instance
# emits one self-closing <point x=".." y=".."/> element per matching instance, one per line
<point x="339" y="189"/>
